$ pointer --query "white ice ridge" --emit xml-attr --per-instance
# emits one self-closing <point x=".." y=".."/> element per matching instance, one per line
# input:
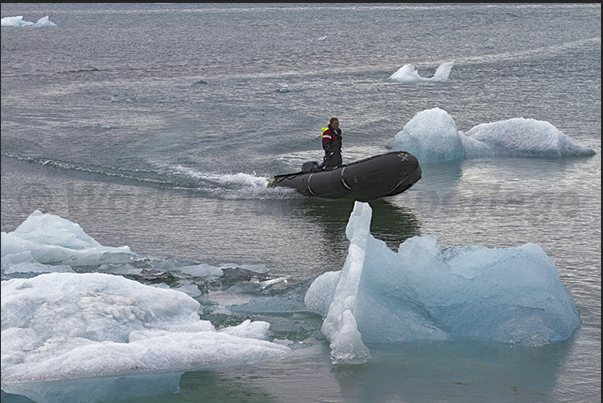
<point x="425" y="292"/>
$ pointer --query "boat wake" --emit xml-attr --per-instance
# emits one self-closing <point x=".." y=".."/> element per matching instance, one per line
<point x="226" y="186"/>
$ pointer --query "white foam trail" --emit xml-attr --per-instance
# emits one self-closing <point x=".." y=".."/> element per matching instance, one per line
<point x="236" y="186"/>
<point x="243" y="179"/>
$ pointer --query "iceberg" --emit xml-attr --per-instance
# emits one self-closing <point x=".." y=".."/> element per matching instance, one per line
<point x="15" y="22"/>
<point x="18" y="21"/>
<point x="426" y="292"/>
<point x="433" y="137"/>
<point x="61" y="327"/>
<point x="67" y="334"/>
<point x="50" y="239"/>
<point x="409" y="74"/>
<point x="44" y="22"/>
<point x="522" y="137"/>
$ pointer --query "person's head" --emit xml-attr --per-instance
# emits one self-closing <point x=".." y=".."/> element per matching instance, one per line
<point x="334" y="123"/>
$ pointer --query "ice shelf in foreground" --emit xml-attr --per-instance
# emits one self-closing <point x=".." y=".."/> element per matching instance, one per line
<point x="65" y="325"/>
<point x="67" y="336"/>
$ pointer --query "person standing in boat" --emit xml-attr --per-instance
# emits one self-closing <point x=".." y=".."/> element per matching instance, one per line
<point x="331" y="143"/>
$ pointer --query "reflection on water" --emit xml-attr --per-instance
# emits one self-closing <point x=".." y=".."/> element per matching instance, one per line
<point x="103" y="389"/>
<point x="390" y="223"/>
<point x="451" y="371"/>
<point x="212" y="386"/>
<point x="456" y="370"/>
<point x="393" y="224"/>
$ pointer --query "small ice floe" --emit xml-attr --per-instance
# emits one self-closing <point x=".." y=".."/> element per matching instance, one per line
<point x="44" y="22"/>
<point x="18" y="21"/>
<point x="15" y="22"/>
<point x="409" y="74"/>
<point x="270" y="283"/>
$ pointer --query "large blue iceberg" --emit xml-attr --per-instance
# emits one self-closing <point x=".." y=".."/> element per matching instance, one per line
<point x="426" y="292"/>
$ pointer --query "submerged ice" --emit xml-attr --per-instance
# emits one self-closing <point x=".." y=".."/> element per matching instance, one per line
<point x="426" y="292"/>
<point x="432" y="136"/>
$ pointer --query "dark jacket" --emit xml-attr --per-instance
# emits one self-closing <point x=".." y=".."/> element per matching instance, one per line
<point x="331" y="143"/>
<point x="331" y="140"/>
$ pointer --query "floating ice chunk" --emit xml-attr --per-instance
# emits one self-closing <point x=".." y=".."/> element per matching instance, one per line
<point x="51" y="239"/>
<point x="269" y="283"/>
<point x="522" y="137"/>
<point x="63" y="326"/>
<point x="425" y="292"/>
<point x="15" y="22"/>
<point x="44" y="22"/>
<point x="409" y="74"/>
<point x="202" y="270"/>
<point x="432" y="136"/>
<point x="190" y="289"/>
<point x="443" y="72"/>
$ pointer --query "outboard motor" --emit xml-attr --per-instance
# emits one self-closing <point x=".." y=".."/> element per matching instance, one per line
<point x="310" y="166"/>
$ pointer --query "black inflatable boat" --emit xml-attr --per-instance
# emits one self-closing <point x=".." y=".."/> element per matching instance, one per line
<point x="368" y="179"/>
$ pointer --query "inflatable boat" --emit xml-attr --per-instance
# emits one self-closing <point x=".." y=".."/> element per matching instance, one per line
<point x="368" y="179"/>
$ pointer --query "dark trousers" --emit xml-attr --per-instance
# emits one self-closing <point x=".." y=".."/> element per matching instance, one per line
<point x="333" y="160"/>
